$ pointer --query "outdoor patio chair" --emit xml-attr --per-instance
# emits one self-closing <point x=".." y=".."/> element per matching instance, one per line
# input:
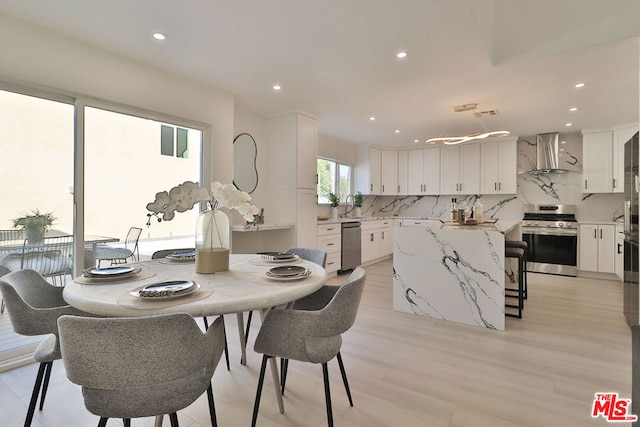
<point x="120" y="255"/>
<point x="51" y="258"/>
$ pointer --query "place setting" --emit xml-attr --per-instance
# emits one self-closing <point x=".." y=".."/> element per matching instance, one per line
<point x="270" y="258"/>
<point x="163" y="294"/>
<point x="179" y="257"/>
<point x="113" y="274"/>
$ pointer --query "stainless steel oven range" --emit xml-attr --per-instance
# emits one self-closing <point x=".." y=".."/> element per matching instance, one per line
<point x="551" y="231"/>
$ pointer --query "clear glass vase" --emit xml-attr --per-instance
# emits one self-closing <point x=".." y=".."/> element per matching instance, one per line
<point x="212" y="242"/>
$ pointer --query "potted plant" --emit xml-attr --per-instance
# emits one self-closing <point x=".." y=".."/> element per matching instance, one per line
<point x="334" y="202"/>
<point x="357" y="203"/>
<point x="35" y="224"/>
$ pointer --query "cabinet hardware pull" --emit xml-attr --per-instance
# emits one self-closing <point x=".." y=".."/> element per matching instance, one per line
<point x="495" y="186"/>
<point x="619" y="247"/>
<point x="500" y="186"/>
<point x="330" y="229"/>
<point x="331" y="262"/>
<point x="383" y="235"/>
<point x="614" y="183"/>
<point x="601" y="233"/>
<point x="330" y="244"/>
<point x="460" y="186"/>
<point x="383" y="188"/>
<point x="595" y="234"/>
<point x="316" y="178"/>
<point x="585" y="184"/>
<point x="371" y="238"/>
<point x="398" y="189"/>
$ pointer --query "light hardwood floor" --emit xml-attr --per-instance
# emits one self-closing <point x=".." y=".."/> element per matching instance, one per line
<point x="406" y="370"/>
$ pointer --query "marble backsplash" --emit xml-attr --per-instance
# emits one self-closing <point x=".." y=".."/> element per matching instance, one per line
<point x="554" y="188"/>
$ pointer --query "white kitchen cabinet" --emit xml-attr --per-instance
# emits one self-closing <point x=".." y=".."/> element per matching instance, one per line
<point x="293" y="183"/>
<point x="403" y="173"/>
<point x="386" y="236"/>
<point x="423" y="171"/>
<point x="619" y="254"/>
<point x="330" y="241"/>
<point x="460" y="169"/>
<point x="597" y="157"/>
<point x="498" y="167"/>
<point x="389" y="175"/>
<point x="376" y="239"/>
<point x="596" y="245"/>
<point x="621" y="134"/>
<point x="368" y="171"/>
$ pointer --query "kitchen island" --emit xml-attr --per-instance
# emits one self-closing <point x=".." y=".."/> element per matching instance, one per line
<point x="453" y="272"/>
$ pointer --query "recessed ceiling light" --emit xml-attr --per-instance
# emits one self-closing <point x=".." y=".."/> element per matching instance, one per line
<point x="397" y="131"/>
<point x="572" y="109"/>
<point x="159" y="36"/>
<point x="401" y="55"/>
<point x="416" y="141"/>
<point x="372" y="118"/>
<point x="579" y="85"/>
<point x="568" y="124"/>
<point x="277" y="87"/>
<point x="563" y="142"/>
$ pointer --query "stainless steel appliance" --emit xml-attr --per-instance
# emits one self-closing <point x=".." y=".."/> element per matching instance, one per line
<point x="351" y="245"/>
<point x="631" y="211"/>
<point x="551" y="231"/>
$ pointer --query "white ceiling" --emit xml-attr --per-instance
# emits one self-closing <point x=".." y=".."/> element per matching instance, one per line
<point x="336" y="58"/>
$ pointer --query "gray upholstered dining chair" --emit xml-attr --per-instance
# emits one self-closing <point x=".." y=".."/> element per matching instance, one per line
<point x="162" y="253"/>
<point x="119" y="255"/>
<point x="34" y="306"/>
<point x="313" y="336"/>
<point x="142" y="366"/>
<point x="316" y="256"/>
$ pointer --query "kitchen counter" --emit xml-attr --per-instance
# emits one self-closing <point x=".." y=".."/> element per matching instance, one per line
<point x="453" y="272"/>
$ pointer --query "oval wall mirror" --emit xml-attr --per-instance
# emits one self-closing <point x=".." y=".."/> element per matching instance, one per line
<point x="245" y="173"/>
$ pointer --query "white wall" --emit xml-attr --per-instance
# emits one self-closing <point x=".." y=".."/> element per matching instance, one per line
<point x="337" y="149"/>
<point x="36" y="56"/>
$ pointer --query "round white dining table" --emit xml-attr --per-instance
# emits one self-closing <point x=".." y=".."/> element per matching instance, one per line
<point x="245" y="287"/>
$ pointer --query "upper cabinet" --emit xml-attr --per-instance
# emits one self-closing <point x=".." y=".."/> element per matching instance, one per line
<point x="603" y="158"/>
<point x="423" y="171"/>
<point x="498" y="167"/>
<point x="597" y="156"/>
<point x="403" y="173"/>
<point x="389" y="176"/>
<point x="621" y="134"/>
<point x="460" y="169"/>
<point x="368" y="171"/>
<point x="307" y="152"/>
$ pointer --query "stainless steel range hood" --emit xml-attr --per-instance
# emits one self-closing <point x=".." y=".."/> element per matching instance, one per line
<point x="547" y="154"/>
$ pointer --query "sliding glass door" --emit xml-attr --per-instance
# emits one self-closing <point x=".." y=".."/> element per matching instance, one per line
<point x="36" y="176"/>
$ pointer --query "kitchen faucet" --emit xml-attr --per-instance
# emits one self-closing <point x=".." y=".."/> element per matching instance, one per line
<point x="346" y="203"/>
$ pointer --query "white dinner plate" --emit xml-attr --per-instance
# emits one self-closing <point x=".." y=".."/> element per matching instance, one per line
<point x="182" y="256"/>
<point x="111" y="273"/>
<point x="286" y="271"/>
<point x="288" y="278"/>
<point x="167" y="290"/>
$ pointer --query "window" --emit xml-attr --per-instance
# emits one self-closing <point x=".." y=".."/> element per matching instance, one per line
<point x="333" y="177"/>
<point x="174" y="140"/>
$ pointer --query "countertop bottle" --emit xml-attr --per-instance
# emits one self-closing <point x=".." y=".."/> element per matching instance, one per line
<point x="454" y="211"/>
<point x="478" y="211"/>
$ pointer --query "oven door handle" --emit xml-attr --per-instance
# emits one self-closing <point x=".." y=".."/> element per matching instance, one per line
<point x="539" y="232"/>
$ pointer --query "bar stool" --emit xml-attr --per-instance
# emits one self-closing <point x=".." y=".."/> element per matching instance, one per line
<point x="519" y="254"/>
<point x="522" y="245"/>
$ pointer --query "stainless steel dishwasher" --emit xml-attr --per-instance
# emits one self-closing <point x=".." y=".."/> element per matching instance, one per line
<point x="351" y="252"/>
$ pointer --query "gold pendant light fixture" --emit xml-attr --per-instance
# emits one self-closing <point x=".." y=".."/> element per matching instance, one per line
<point x="453" y="140"/>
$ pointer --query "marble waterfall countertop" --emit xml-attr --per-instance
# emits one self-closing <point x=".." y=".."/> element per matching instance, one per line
<point x="452" y="272"/>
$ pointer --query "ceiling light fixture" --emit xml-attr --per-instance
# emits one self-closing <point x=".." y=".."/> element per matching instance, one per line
<point x="579" y="85"/>
<point x="453" y="140"/>
<point x="568" y="124"/>
<point x="159" y="36"/>
<point x="277" y="87"/>
<point x="372" y="118"/>
<point x="401" y="55"/>
<point x="572" y="109"/>
<point x="397" y="131"/>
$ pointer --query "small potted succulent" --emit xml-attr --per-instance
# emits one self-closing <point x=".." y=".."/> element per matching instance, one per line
<point x="35" y="224"/>
<point x="334" y="202"/>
